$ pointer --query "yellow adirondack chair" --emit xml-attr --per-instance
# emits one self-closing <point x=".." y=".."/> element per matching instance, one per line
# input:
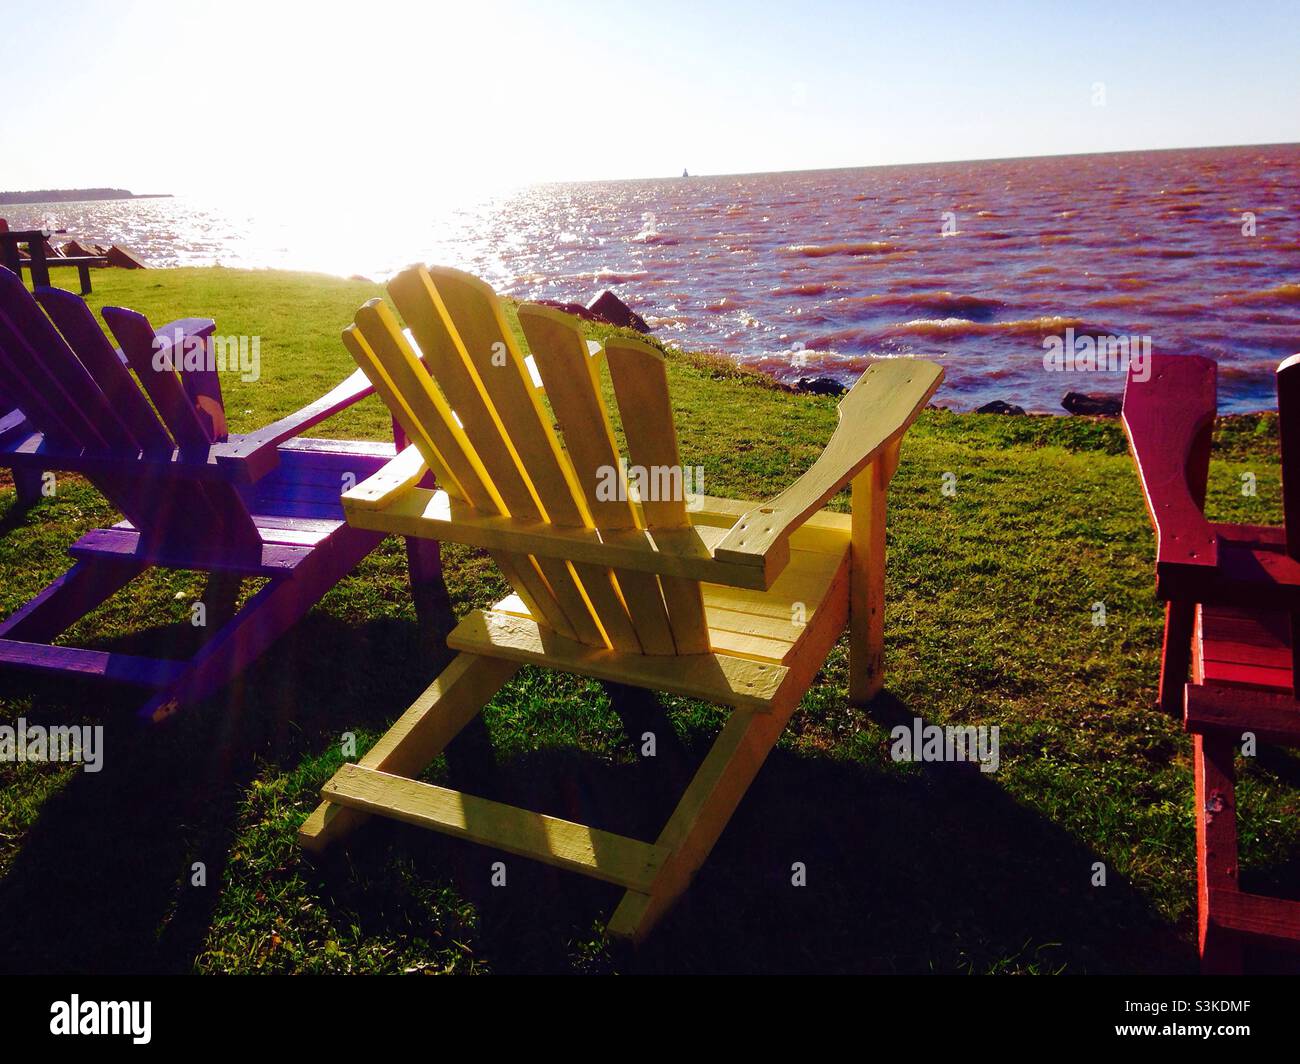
<point x="731" y="602"/>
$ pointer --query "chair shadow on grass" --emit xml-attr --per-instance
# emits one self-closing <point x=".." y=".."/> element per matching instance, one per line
<point x="931" y="869"/>
<point x="936" y="869"/>
<point x="104" y="879"/>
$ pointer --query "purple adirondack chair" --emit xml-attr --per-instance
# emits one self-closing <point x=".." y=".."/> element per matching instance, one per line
<point x="260" y="505"/>
<point x="27" y="482"/>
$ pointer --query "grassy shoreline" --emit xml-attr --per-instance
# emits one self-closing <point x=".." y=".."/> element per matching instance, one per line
<point x="911" y="868"/>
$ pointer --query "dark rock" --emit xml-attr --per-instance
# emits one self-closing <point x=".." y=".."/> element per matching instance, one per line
<point x="1095" y="404"/>
<point x="820" y="386"/>
<point x="998" y="406"/>
<point x="123" y="259"/>
<point x="75" y="249"/>
<point x="613" y="311"/>
<point x="576" y="309"/>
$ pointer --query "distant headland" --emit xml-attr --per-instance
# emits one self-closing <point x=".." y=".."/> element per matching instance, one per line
<point x="71" y="195"/>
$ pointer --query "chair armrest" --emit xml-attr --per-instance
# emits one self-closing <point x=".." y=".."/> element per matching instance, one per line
<point x="256" y="451"/>
<point x="873" y="416"/>
<point x="1168" y="417"/>
<point x="384" y="487"/>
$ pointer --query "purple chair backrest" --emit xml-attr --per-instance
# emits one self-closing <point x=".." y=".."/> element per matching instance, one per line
<point x="73" y="386"/>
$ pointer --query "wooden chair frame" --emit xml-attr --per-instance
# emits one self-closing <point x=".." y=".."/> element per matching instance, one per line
<point x="1229" y="590"/>
<point x="263" y="504"/>
<point x="693" y="571"/>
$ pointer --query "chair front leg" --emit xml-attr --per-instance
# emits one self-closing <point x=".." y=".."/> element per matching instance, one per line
<point x="1216" y="849"/>
<point x="1176" y="655"/>
<point x="27" y="483"/>
<point x="867" y="578"/>
<point x="455" y="697"/>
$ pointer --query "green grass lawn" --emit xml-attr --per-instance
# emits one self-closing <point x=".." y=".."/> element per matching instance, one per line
<point x="910" y="868"/>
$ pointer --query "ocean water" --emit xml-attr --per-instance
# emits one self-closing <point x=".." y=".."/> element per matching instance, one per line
<point x="817" y="273"/>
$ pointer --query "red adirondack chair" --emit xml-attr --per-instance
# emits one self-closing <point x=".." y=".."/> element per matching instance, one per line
<point x="261" y="505"/>
<point x="1233" y="602"/>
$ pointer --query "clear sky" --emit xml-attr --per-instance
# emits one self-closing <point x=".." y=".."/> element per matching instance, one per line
<point x="226" y="97"/>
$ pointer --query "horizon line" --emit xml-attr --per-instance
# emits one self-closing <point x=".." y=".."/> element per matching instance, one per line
<point x="929" y="162"/>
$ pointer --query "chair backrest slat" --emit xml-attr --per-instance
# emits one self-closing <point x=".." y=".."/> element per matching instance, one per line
<point x="449" y="366"/>
<point x="40" y="355"/>
<point x="161" y="381"/>
<point x="431" y="418"/>
<point x="474" y="410"/>
<point x="77" y="323"/>
<point x="570" y="375"/>
<point x="203" y="383"/>
<point x="67" y="402"/>
<point x="42" y="414"/>
<point x="485" y="370"/>
<point x="486" y="340"/>
<point x="380" y="348"/>
<point x="640" y="379"/>
<point x="1288" y="420"/>
<point x="400" y="384"/>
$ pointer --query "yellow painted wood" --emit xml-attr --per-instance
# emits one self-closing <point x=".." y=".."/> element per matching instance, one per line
<point x="490" y="348"/>
<point x="643" y="595"/>
<point x="775" y="631"/>
<point x="388" y="483"/>
<point x="867" y="578"/>
<point x="700" y="817"/>
<point x="475" y="432"/>
<point x="505" y="389"/>
<point x="875" y="413"/>
<point x="804" y="584"/>
<point x="562" y="843"/>
<point x="744" y="645"/>
<point x="401" y="411"/>
<point x="714" y="678"/>
<point x="421" y="307"/>
<point x="524" y="573"/>
<point x="412" y="382"/>
<point x="609" y="606"/>
<point x="641" y="387"/>
<point x="569" y="372"/>
<point x="736" y="639"/>
<point x="766" y="589"/>
<point x="725" y="775"/>
<point x="685" y="606"/>
<point x="455" y="698"/>
<point x="823" y="530"/>
<point x="435" y="515"/>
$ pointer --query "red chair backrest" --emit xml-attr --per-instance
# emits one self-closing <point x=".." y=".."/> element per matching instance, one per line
<point x="1288" y="427"/>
